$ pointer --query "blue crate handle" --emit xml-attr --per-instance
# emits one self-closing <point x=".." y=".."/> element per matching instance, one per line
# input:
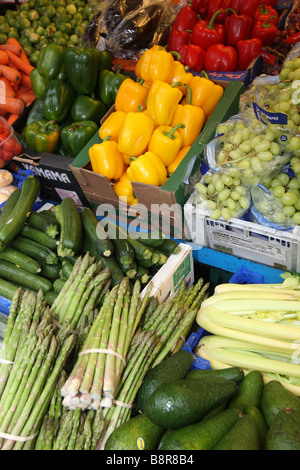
<point x="190" y="344"/>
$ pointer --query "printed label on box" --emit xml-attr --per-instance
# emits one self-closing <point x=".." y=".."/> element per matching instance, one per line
<point x="182" y="272"/>
<point x="64" y="193"/>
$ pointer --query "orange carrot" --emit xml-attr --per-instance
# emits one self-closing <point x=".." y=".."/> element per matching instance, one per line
<point x="8" y="89"/>
<point x="19" y="63"/>
<point x="4" y="58"/>
<point x="28" y="97"/>
<point x="12" y="74"/>
<point x="13" y="106"/>
<point x="23" y="54"/>
<point x="10" y="48"/>
<point x="22" y="89"/>
<point x="25" y="79"/>
<point x="12" y="118"/>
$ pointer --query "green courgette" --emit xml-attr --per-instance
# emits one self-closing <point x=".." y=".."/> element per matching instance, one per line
<point x="169" y="247"/>
<point x="51" y="271"/>
<point x="94" y="230"/>
<point x="8" y="289"/>
<point x="19" y="276"/>
<point x="19" y="214"/>
<point x="9" y="206"/>
<point x="66" y="268"/>
<point x="20" y="259"/>
<point x="142" y="274"/>
<point x="69" y="220"/>
<point x="39" y="236"/>
<point x="58" y="284"/>
<point x="42" y="254"/>
<point x="153" y="239"/>
<point x="42" y="221"/>
<point x="50" y="297"/>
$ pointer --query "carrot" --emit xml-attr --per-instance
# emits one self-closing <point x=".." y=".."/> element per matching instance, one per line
<point x="19" y="63"/>
<point x="13" y="105"/>
<point x="28" y="97"/>
<point x="10" y="48"/>
<point x="9" y="90"/>
<point x="12" y="74"/>
<point x="23" y="54"/>
<point x="25" y="80"/>
<point x="4" y="58"/>
<point x="12" y="118"/>
<point x="22" y="89"/>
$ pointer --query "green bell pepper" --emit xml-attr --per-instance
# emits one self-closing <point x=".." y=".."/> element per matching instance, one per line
<point x="75" y="136"/>
<point x="38" y="83"/>
<point x="58" y="99"/>
<point x="108" y="85"/>
<point x="105" y="60"/>
<point x="86" y="108"/>
<point x="37" y="111"/>
<point x="42" y="136"/>
<point x="82" y="67"/>
<point x="51" y="61"/>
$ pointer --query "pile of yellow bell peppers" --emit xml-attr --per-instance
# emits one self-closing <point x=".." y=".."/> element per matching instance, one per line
<point x="156" y="119"/>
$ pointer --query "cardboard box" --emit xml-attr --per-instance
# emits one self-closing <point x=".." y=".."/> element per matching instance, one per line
<point x="168" y="279"/>
<point x="53" y="172"/>
<point x="166" y="202"/>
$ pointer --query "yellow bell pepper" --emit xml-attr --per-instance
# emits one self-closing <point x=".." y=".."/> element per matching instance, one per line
<point x="181" y="76"/>
<point x="192" y="117"/>
<point x="205" y="93"/>
<point x="148" y="169"/>
<point x="156" y="63"/>
<point x="178" y="159"/>
<point x="135" y="133"/>
<point x="112" y="125"/>
<point x="124" y="190"/>
<point x="162" y="101"/>
<point x="166" y="141"/>
<point x="106" y="159"/>
<point x="131" y="96"/>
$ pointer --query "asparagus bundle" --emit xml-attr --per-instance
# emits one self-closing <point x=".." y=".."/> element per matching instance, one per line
<point x="82" y="292"/>
<point x="33" y="355"/>
<point x="94" y="378"/>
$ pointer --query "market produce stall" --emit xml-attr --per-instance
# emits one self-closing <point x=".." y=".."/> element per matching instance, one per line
<point x="147" y="148"/>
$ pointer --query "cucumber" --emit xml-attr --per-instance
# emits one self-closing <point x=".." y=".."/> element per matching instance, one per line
<point x="20" y="259"/>
<point x="39" y="236"/>
<point x="8" y="289"/>
<point x="29" y="192"/>
<point x="58" y="284"/>
<point x="69" y="220"/>
<point x="35" y="250"/>
<point x="93" y="228"/>
<point x="10" y="272"/>
<point x="42" y="221"/>
<point x="50" y="297"/>
<point x="51" y="271"/>
<point x="169" y="247"/>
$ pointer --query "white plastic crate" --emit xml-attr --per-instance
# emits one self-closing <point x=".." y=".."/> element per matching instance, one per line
<point x="243" y="239"/>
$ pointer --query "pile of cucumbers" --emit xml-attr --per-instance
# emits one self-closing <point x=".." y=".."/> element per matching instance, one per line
<point x="38" y="249"/>
<point x="184" y="409"/>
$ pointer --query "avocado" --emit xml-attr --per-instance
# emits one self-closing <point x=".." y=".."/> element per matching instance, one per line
<point x="260" y="422"/>
<point x="202" y="435"/>
<point x="249" y="391"/>
<point x="276" y="397"/>
<point x="139" y="433"/>
<point x="236" y="374"/>
<point x="172" y="368"/>
<point x="182" y="402"/>
<point x="243" y="435"/>
<point x="284" y="432"/>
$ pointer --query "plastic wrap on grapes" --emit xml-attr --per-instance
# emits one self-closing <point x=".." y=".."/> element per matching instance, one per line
<point x="249" y="149"/>
<point x="276" y="204"/>
<point x="222" y="196"/>
<point x="263" y="91"/>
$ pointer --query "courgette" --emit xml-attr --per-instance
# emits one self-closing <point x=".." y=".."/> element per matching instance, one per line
<point x="39" y="236"/>
<point x="50" y="297"/>
<point x="169" y="247"/>
<point x="141" y="252"/>
<point x="42" y="254"/>
<point x="19" y="276"/>
<point x="94" y="230"/>
<point x="29" y="192"/>
<point x="142" y="274"/>
<point x="69" y="220"/>
<point x="58" y="284"/>
<point x="153" y="239"/>
<point x="42" y="221"/>
<point x="7" y="210"/>
<point x="51" y="271"/>
<point x="67" y="268"/>
<point x="8" y="289"/>
<point x="20" y="259"/>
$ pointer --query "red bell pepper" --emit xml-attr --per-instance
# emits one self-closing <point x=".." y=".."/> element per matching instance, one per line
<point x="216" y="5"/>
<point x="201" y="7"/>
<point x="177" y="39"/>
<point x="206" y="33"/>
<point x="185" y="18"/>
<point x="193" y="57"/>
<point x="248" y="50"/>
<point x="221" y="58"/>
<point x="243" y="7"/>
<point x="264" y="12"/>
<point x="237" y="28"/>
<point x="265" y="31"/>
